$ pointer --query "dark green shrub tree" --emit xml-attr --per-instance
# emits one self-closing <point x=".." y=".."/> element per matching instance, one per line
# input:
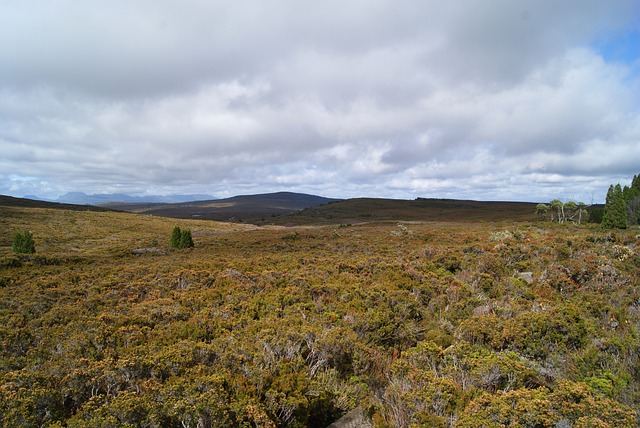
<point x="181" y="238"/>
<point x="185" y="239"/>
<point x="595" y="214"/>
<point x="632" y="199"/>
<point x="633" y="210"/>
<point x="615" y="209"/>
<point x="174" y="242"/>
<point x="23" y="243"/>
<point x="631" y="192"/>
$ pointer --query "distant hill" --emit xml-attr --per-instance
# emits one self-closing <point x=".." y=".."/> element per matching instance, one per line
<point x="285" y="208"/>
<point x="247" y="208"/>
<point x="289" y="209"/>
<point x="10" y="201"/>
<point x="104" y="198"/>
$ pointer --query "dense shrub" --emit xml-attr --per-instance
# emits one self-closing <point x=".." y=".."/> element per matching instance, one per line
<point x="181" y="238"/>
<point x="570" y="404"/>
<point x="23" y="243"/>
<point x="254" y="330"/>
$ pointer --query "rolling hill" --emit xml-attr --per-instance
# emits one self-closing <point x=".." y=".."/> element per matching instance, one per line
<point x="243" y="208"/>
<point x="288" y="209"/>
<point x="291" y="209"/>
<point x="10" y="201"/>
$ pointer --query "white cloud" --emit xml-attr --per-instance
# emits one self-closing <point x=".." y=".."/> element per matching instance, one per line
<point x="472" y="99"/>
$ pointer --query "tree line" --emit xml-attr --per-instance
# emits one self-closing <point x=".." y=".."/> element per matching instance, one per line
<point x="622" y="208"/>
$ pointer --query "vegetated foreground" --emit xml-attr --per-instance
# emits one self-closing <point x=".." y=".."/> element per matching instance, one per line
<point x="418" y="323"/>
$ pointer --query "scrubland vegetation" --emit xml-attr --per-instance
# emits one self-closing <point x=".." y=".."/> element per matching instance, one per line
<point x="461" y="324"/>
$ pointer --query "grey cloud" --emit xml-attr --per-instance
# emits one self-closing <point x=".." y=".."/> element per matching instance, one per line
<point x="501" y="43"/>
<point x="127" y="48"/>
<point x="400" y="98"/>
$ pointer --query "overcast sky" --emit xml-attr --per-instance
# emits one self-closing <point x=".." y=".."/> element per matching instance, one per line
<point x="488" y="100"/>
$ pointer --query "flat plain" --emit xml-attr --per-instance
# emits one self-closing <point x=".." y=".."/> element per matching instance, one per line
<point x="489" y="319"/>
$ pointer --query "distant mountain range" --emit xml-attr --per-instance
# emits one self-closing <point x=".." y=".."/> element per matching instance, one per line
<point x="105" y="198"/>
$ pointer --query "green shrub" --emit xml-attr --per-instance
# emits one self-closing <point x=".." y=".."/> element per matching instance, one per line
<point x="185" y="239"/>
<point x="23" y="243"/>
<point x="615" y="210"/>
<point x="181" y="238"/>
<point x="174" y="242"/>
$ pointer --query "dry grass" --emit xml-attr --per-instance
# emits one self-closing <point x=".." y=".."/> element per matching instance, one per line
<point x="65" y="232"/>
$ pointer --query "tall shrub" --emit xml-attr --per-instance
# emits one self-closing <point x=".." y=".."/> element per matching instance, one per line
<point x="185" y="239"/>
<point x="23" y="243"/>
<point x="174" y="242"/>
<point x="181" y="238"/>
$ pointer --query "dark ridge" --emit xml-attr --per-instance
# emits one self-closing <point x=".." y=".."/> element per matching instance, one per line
<point x="288" y="209"/>
<point x="361" y="210"/>
<point x="10" y="201"/>
<point x="244" y="208"/>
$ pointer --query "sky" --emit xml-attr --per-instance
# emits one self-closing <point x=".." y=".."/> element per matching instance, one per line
<point x="488" y="100"/>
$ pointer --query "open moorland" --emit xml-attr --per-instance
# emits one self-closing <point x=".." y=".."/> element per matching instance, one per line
<point x="288" y="209"/>
<point x="450" y="321"/>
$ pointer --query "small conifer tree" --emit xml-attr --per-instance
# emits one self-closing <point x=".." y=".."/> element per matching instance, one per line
<point x="632" y="198"/>
<point x="635" y="183"/>
<point x="174" y="242"/>
<point x="615" y="209"/>
<point x="181" y="238"/>
<point x="185" y="239"/>
<point x="23" y="243"/>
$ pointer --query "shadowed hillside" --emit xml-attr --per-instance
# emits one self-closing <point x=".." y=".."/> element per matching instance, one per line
<point x="10" y="201"/>
<point x="448" y="210"/>
<point x="288" y="209"/>
<point x="244" y="208"/>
